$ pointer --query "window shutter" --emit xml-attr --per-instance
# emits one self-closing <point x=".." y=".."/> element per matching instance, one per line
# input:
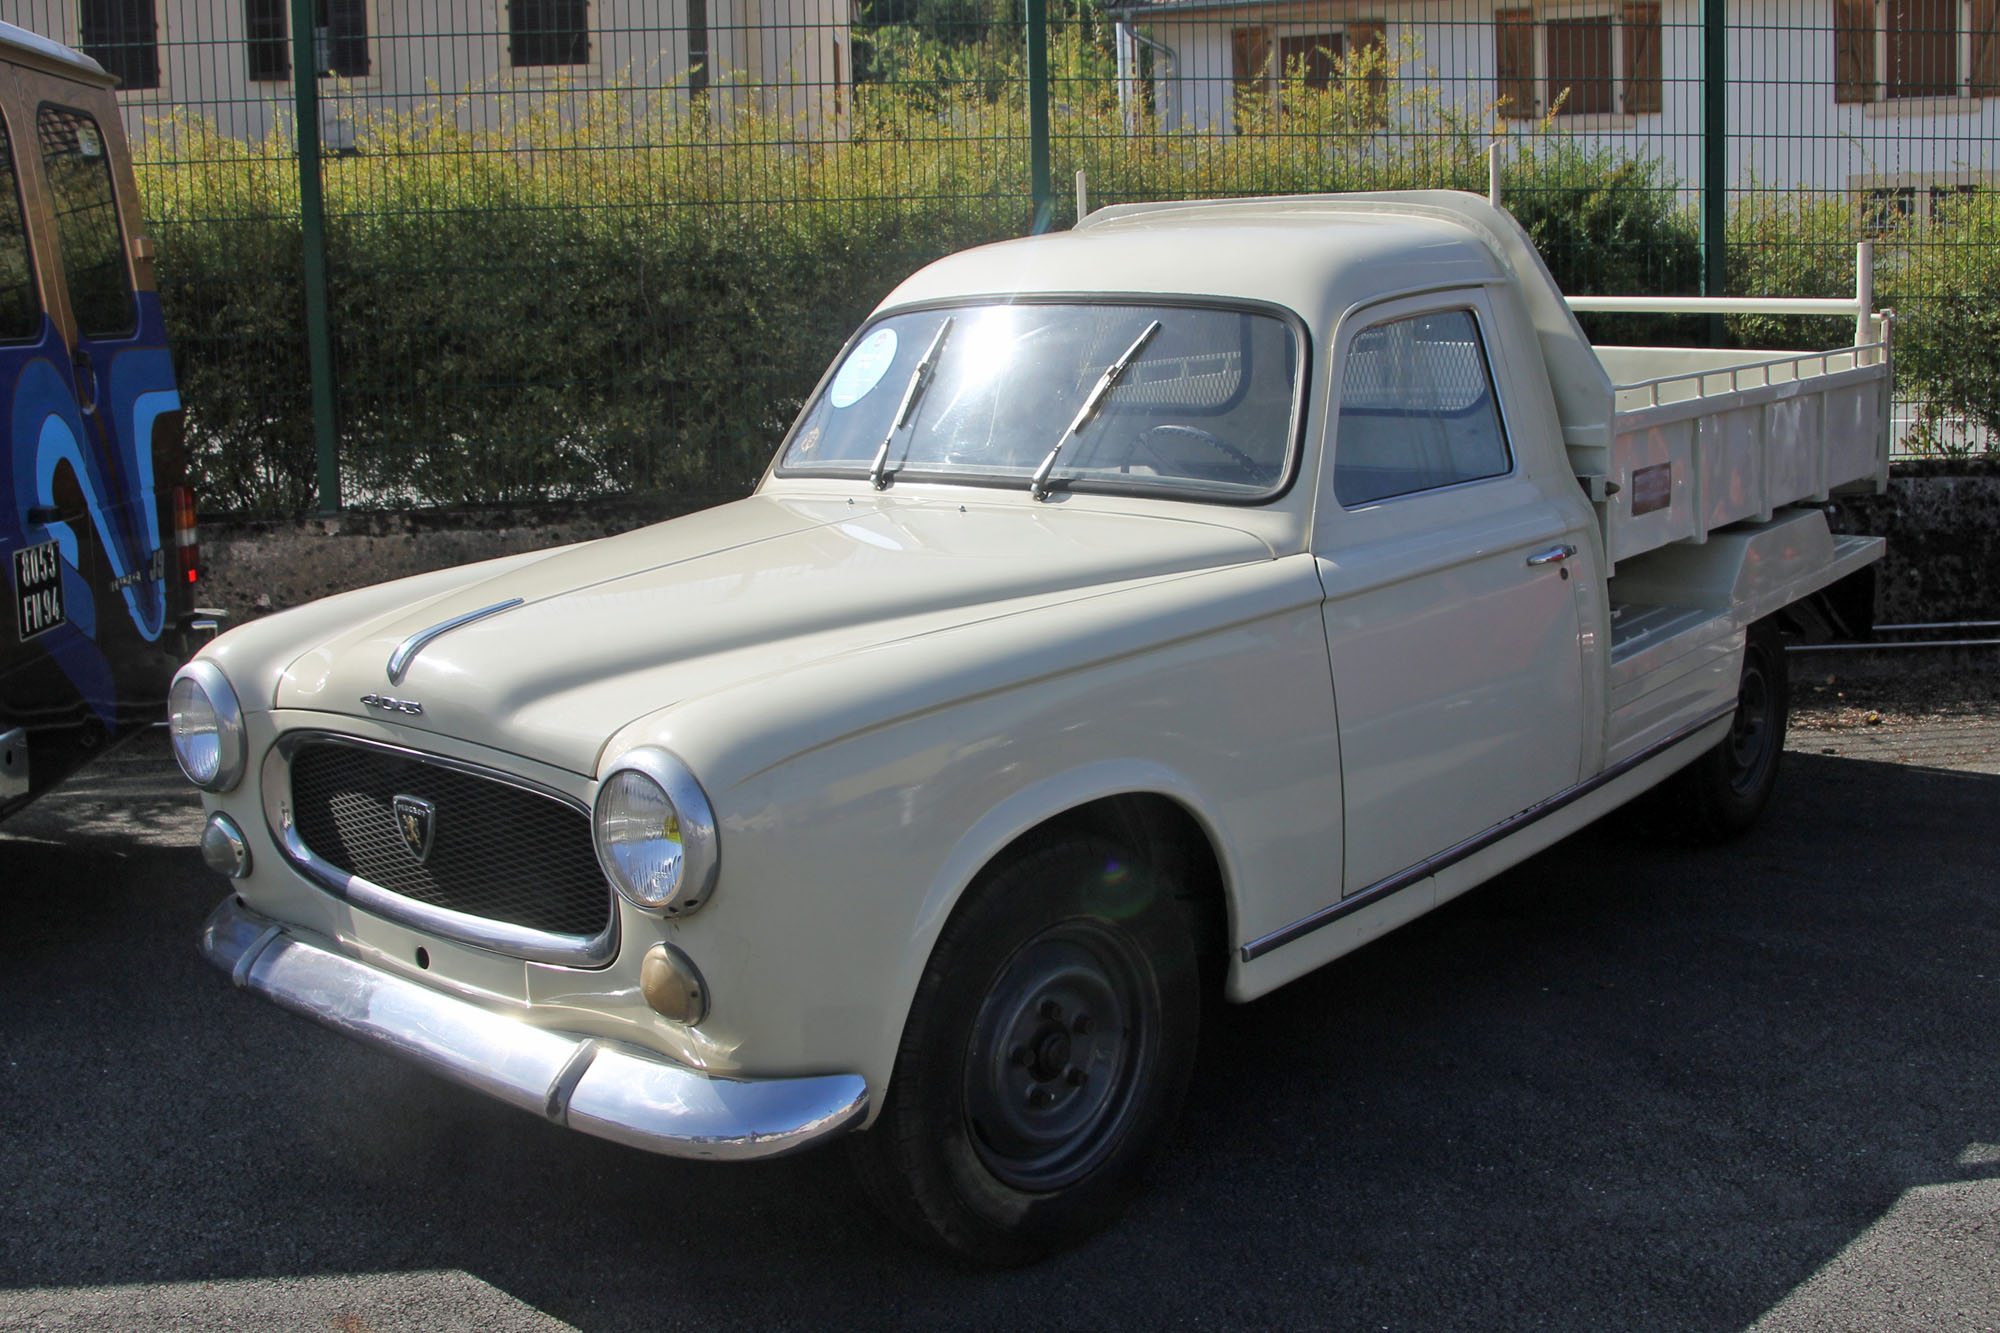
<point x="1642" y="57"/>
<point x="1514" y="59"/>
<point x="1253" y="54"/>
<point x="1253" y="58"/>
<point x="1371" y="36"/>
<point x="1854" y="50"/>
<point x="1986" y="48"/>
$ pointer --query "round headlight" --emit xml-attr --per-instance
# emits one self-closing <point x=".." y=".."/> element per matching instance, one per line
<point x="207" y="727"/>
<point x="655" y="833"/>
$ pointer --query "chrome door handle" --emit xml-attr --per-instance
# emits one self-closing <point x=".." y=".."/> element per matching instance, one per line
<point x="1555" y="555"/>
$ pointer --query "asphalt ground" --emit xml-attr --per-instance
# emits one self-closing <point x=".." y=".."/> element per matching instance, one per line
<point x="1631" y="1085"/>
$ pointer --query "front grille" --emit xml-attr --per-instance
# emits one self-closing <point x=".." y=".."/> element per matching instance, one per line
<point x="497" y="851"/>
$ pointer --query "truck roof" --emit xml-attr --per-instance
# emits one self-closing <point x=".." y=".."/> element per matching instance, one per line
<point x="1315" y="259"/>
<point x="28" y="48"/>
<point x="1321" y="255"/>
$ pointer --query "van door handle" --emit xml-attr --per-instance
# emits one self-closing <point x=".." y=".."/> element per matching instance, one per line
<point x="1555" y="555"/>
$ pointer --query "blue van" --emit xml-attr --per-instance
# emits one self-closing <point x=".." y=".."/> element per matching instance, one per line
<point x="97" y="536"/>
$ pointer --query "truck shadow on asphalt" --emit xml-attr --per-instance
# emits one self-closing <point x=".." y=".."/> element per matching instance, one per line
<point x="1631" y="1084"/>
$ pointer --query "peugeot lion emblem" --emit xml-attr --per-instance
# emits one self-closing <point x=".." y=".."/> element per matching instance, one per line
<point x="416" y="820"/>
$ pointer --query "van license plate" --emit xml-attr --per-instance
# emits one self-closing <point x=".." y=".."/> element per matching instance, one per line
<point x="38" y="599"/>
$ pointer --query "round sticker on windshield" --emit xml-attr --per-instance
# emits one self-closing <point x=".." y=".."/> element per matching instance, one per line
<point x="863" y="370"/>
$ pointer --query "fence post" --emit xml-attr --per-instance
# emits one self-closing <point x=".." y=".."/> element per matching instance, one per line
<point x="1039" y="186"/>
<point x="312" y="226"/>
<point x="1714" y="159"/>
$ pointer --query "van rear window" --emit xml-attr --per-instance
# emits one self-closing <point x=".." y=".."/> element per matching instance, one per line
<point x="20" y="311"/>
<point x="77" y="163"/>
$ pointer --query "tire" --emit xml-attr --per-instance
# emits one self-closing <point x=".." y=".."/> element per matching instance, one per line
<point x="1725" y="791"/>
<point x="1045" y="1058"/>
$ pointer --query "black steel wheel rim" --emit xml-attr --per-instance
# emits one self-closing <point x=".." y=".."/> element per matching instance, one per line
<point x="1752" y="728"/>
<point x="1060" y="1048"/>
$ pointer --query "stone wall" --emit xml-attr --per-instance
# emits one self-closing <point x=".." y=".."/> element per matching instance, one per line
<point x="1942" y="520"/>
<point x="254" y="567"/>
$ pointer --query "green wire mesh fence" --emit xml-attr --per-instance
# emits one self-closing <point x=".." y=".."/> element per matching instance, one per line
<point x="589" y="247"/>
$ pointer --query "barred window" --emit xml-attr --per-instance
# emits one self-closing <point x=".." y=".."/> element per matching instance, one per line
<point x="268" y="40"/>
<point x="547" y="32"/>
<point x="124" y="37"/>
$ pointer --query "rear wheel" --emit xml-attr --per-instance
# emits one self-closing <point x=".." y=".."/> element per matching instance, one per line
<point x="1725" y="790"/>
<point x="1045" y="1057"/>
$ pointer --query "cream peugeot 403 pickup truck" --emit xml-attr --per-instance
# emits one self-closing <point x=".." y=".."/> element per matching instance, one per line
<point x="1135" y="618"/>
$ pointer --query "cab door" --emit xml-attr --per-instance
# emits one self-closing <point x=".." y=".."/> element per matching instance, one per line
<point x="1451" y="621"/>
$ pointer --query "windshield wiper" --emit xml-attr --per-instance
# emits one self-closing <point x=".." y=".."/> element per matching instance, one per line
<point x="1038" y="485"/>
<point x="920" y="379"/>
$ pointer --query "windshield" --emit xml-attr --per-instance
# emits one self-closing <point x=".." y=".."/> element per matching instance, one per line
<point x="1200" y="405"/>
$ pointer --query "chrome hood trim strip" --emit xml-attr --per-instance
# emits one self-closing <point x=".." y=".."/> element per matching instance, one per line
<point x="605" y="1088"/>
<point x="406" y="651"/>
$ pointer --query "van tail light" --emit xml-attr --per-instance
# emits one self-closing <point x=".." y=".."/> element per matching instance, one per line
<point x="187" y="537"/>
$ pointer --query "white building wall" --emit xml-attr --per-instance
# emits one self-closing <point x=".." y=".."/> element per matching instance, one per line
<point x="1786" y="129"/>
<point x="778" y="56"/>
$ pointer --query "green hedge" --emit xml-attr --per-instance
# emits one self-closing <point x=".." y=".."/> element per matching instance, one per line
<point x="594" y="302"/>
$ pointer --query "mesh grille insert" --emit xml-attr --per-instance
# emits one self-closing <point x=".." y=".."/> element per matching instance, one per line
<point x="496" y="852"/>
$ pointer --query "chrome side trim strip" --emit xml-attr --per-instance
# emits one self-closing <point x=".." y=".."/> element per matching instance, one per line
<point x="1478" y="842"/>
<point x="617" y="1092"/>
<point x="540" y="946"/>
<point x="406" y="651"/>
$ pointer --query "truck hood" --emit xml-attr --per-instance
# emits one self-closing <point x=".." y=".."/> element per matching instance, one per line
<point x="608" y="631"/>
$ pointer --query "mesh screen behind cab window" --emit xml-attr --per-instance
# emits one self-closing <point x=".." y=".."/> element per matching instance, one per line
<point x="1416" y="410"/>
<point x="78" y="166"/>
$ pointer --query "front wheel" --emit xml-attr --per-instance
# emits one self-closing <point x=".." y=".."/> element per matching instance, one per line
<point x="1725" y="790"/>
<point x="1045" y="1057"/>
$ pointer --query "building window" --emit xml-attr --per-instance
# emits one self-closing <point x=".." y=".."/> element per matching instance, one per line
<point x="1594" y="60"/>
<point x="1896" y="50"/>
<point x="1263" y="61"/>
<point x="1917" y="49"/>
<point x="340" y="39"/>
<point x="1311" y="58"/>
<point x="124" y="37"/>
<point x="269" y="40"/>
<point x="1905" y="202"/>
<point x="547" y="32"/>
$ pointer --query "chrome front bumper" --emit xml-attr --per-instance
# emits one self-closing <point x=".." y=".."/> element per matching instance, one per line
<point x="605" y="1088"/>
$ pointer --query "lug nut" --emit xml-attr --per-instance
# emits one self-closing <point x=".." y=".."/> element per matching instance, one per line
<point x="1077" y="1078"/>
<point x="1051" y="1010"/>
<point x="1041" y="1097"/>
<point x="1018" y="1056"/>
<point x="1083" y="1025"/>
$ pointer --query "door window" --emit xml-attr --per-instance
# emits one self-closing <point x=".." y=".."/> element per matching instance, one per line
<point x="1417" y="410"/>
<point x="78" y="167"/>
<point x="20" y="310"/>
